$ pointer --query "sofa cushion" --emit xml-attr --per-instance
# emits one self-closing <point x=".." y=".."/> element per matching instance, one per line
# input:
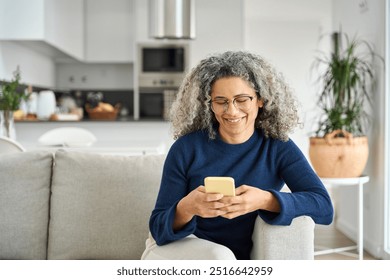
<point x="101" y="204"/>
<point x="24" y="204"/>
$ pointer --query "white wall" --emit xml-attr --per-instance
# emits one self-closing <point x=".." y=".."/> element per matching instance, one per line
<point x="36" y="68"/>
<point x="287" y="33"/>
<point x="22" y="24"/>
<point x="369" y="24"/>
<point x="109" y="28"/>
<point x="219" y="25"/>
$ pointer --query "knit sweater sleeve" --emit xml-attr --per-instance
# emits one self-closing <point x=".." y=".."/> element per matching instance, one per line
<point x="308" y="195"/>
<point x="172" y="189"/>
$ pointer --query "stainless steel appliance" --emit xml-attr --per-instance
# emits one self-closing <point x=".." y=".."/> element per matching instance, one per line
<point x="162" y="65"/>
<point x="172" y="19"/>
<point x="161" y="69"/>
<point x="156" y="103"/>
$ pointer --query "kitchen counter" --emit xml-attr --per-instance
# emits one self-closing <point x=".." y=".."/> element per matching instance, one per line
<point x="119" y="119"/>
<point x="113" y="137"/>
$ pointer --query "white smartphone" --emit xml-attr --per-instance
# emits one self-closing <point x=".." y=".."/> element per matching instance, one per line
<point x="223" y="185"/>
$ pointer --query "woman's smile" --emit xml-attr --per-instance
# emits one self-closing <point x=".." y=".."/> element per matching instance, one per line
<point x="236" y="120"/>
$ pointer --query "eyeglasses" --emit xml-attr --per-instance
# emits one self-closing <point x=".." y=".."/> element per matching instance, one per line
<point x="242" y="103"/>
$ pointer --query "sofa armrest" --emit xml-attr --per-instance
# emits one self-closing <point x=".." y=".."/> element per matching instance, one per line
<point x="293" y="242"/>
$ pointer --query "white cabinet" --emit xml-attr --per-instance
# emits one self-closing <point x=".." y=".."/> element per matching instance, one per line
<point x="102" y="76"/>
<point x="109" y="31"/>
<point x="64" y="26"/>
<point x="108" y="60"/>
<point x="21" y="19"/>
<point x="56" y="24"/>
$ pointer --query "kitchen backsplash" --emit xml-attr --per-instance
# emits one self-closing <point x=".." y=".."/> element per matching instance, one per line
<point x="90" y="99"/>
<point x="85" y="102"/>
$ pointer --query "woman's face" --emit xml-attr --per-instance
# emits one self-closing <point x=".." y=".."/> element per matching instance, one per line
<point x="236" y="121"/>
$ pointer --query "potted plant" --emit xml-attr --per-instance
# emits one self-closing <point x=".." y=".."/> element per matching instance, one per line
<point x="10" y="99"/>
<point x="339" y="147"/>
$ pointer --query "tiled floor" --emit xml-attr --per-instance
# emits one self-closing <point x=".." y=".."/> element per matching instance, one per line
<point x="328" y="237"/>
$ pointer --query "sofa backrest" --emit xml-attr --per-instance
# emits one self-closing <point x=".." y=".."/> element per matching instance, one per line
<point x="24" y="204"/>
<point x="101" y="204"/>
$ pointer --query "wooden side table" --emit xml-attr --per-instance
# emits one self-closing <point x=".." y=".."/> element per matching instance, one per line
<point x="359" y="181"/>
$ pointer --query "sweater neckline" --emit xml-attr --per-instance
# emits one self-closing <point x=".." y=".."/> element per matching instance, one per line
<point x="248" y="143"/>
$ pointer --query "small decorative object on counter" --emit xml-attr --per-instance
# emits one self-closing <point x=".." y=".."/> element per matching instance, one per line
<point x="32" y="105"/>
<point x="93" y="99"/>
<point x="46" y="105"/>
<point x="68" y="109"/>
<point x="10" y="99"/>
<point x="7" y="124"/>
<point x="103" y="111"/>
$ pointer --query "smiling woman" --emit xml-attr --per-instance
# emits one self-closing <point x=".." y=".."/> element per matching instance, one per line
<point x="231" y="118"/>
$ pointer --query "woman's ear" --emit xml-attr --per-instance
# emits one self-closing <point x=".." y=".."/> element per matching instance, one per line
<point x="260" y="103"/>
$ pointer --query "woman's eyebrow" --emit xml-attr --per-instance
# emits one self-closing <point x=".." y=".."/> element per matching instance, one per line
<point x="234" y="96"/>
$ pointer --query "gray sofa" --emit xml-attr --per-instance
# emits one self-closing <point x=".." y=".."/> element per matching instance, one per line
<point x="73" y="205"/>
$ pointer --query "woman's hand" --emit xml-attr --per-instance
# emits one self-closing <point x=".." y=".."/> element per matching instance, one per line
<point x="249" y="199"/>
<point x="199" y="203"/>
<point x="210" y="205"/>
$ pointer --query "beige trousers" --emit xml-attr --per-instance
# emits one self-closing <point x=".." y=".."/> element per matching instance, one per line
<point x="189" y="248"/>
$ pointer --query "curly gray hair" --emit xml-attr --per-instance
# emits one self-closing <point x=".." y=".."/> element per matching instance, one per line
<point x="191" y="110"/>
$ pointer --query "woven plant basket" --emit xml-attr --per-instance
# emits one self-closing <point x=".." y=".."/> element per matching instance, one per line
<point x="339" y="157"/>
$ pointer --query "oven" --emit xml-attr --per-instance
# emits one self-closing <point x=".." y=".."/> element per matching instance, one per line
<point x="161" y="69"/>
<point x="155" y="103"/>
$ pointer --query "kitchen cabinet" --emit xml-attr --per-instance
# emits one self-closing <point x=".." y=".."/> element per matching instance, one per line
<point x="109" y="31"/>
<point x="53" y="27"/>
<point x="87" y="76"/>
<point x="108" y="49"/>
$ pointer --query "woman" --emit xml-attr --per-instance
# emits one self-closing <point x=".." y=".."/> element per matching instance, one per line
<point x="231" y="118"/>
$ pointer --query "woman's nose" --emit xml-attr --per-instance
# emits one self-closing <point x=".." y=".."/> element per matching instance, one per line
<point x="231" y="108"/>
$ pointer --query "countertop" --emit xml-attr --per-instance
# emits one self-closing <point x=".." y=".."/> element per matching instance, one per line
<point x="119" y="119"/>
<point x="113" y="137"/>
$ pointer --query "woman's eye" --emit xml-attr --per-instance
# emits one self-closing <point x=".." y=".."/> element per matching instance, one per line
<point x="242" y="99"/>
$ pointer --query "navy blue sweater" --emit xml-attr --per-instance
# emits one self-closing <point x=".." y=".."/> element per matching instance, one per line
<point x="260" y="162"/>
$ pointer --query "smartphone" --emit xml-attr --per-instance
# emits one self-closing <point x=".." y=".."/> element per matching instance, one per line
<point x="224" y="185"/>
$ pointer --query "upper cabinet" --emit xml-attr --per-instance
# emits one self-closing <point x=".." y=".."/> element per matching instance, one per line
<point x="52" y="26"/>
<point x="109" y="31"/>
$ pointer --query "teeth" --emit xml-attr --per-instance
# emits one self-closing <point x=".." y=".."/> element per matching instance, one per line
<point x="233" y="120"/>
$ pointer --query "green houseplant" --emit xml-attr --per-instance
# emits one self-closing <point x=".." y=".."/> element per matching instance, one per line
<point x="346" y="78"/>
<point x="10" y="98"/>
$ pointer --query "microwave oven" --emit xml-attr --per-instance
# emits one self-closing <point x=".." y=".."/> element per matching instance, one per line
<point x="162" y="65"/>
